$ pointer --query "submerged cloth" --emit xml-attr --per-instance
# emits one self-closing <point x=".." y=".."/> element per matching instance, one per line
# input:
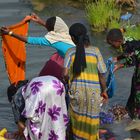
<point x="53" y="67"/>
<point x="84" y="94"/>
<point x="131" y="57"/>
<point x="110" y="78"/>
<point x="45" y="109"/>
<point x="14" y="52"/>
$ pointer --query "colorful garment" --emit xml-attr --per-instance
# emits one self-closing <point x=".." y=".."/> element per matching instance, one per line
<point x="45" y="109"/>
<point x="61" y="47"/>
<point x="14" y="52"/>
<point x="54" y="66"/>
<point x="58" y="39"/>
<point x="84" y="94"/>
<point x="131" y="57"/>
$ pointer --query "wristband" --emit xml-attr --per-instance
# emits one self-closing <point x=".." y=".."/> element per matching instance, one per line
<point x="10" y="33"/>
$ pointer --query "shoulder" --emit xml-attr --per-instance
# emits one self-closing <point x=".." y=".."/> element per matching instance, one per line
<point x="94" y="49"/>
<point x="71" y="51"/>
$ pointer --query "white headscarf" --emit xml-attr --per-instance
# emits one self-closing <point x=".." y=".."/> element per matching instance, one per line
<point x="60" y="33"/>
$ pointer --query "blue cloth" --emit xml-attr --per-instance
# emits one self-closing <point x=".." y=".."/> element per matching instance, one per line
<point x="110" y="78"/>
<point x="61" y="47"/>
<point x="126" y="16"/>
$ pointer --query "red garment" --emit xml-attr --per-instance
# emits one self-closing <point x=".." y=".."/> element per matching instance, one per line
<point x="53" y="67"/>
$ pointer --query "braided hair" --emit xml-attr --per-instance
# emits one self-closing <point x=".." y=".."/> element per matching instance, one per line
<point x="79" y="34"/>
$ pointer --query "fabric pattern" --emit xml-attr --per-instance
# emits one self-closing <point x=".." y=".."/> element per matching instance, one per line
<point x="131" y="57"/>
<point x="84" y="95"/>
<point x="45" y="109"/>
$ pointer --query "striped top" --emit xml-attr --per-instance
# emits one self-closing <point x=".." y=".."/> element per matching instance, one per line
<point x="94" y="62"/>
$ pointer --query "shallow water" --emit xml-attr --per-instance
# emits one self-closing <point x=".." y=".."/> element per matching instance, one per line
<point x="12" y="11"/>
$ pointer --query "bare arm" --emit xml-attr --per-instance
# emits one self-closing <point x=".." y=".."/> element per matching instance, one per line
<point x="103" y="87"/>
<point x="65" y="75"/>
<point x="6" y="31"/>
<point x="38" y="20"/>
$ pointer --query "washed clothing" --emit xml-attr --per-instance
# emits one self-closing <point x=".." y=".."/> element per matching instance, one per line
<point x="45" y="109"/>
<point x="110" y="83"/>
<point x="84" y="94"/>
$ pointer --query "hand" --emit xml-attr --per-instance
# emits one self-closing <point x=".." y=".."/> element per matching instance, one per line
<point x="38" y="19"/>
<point x="115" y="60"/>
<point x="21" y="127"/>
<point x="27" y="18"/>
<point x="105" y="97"/>
<point x="117" y="67"/>
<point x="4" y="30"/>
<point x="35" y="18"/>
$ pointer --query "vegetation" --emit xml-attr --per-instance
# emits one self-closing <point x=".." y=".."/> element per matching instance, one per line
<point x="102" y="14"/>
<point x="133" y="31"/>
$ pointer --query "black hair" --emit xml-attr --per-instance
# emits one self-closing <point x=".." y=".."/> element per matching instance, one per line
<point x="79" y="33"/>
<point x="114" y="35"/>
<point x="12" y="89"/>
<point x="131" y="46"/>
<point x="50" y="22"/>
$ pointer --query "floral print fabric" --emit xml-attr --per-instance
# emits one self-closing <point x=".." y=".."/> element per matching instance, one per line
<point x="45" y="109"/>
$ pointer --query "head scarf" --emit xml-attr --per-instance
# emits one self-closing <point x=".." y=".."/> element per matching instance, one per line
<point x="60" y="33"/>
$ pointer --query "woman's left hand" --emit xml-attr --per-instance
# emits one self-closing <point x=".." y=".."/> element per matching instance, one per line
<point x="105" y="97"/>
<point x="4" y="30"/>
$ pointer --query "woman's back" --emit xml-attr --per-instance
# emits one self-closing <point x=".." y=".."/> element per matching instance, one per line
<point x="94" y="64"/>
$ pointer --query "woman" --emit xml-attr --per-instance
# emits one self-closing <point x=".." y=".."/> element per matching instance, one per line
<point x="84" y="69"/>
<point x="130" y="57"/>
<point x="45" y="109"/>
<point x="57" y="37"/>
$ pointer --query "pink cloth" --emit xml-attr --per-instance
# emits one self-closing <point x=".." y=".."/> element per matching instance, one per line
<point x="53" y="67"/>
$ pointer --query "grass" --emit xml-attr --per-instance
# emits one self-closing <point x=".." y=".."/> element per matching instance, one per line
<point x="133" y="31"/>
<point x="102" y="14"/>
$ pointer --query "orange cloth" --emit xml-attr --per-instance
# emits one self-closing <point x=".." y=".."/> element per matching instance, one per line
<point x="14" y="52"/>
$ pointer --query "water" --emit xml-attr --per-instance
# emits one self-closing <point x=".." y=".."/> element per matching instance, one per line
<point x="12" y="11"/>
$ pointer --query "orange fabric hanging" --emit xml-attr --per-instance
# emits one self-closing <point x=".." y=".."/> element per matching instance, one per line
<point x="14" y="52"/>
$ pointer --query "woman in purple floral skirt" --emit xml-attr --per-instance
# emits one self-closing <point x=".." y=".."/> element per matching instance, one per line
<point x="45" y="109"/>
